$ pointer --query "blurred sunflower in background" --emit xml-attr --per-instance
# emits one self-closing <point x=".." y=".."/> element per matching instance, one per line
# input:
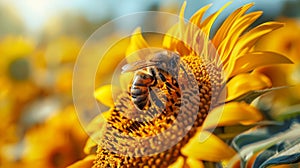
<point x="17" y="87"/>
<point x="16" y="72"/>
<point x="36" y="81"/>
<point x="35" y="99"/>
<point x="285" y="41"/>
<point x="236" y="56"/>
<point x="56" y="143"/>
<point x="53" y="63"/>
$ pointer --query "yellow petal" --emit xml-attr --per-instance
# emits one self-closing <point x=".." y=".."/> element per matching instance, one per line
<point x="98" y="122"/>
<point x="212" y="149"/>
<point x="194" y="163"/>
<point x="246" y="82"/>
<point x="104" y="94"/>
<point x="137" y="47"/>
<point x="182" y="37"/>
<point x="242" y="24"/>
<point x="89" y="146"/>
<point x="224" y="28"/>
<point x="209" y="21"/>
<point x="239" y="26"/>
<point x="188" y="162"/>
<point x="95" y="129"/>
<point x="14" y="47"/>
<point x="181" y="17"/>
<point x="87" y="162"/>
<point x="174" y="40"/>
<point x="228" y="44"/>
<point x="250" y="38"/>
<point x="197" y="17"/>
<point x="231" y="114"/>
<point x="125" y="80"/>
<point x="250" y="61"/>
<point x="169" y="41"/>
<point x="178" y="163"/>
<point x="107" y="65"/>
<point x="278" y="74"/>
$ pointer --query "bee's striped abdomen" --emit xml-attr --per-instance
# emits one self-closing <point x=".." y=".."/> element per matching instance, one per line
<point x="140" y="89"/>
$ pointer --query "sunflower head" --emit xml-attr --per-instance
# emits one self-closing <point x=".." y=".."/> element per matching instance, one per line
<point x="14" y="52"/>
<point x="221" y="68"/>
<point x="41" y="150"/>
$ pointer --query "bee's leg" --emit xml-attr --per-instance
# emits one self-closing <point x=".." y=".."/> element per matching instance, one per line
<point x="156" y="97"/>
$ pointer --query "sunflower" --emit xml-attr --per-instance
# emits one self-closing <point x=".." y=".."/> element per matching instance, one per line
<point x="234" y="54"/>
<point x="53" y="65"/>
<point x="15" y="67"/>
<point x="55" y="143"/>
<point x="285" y="41"/>
<point x="16" y="88"/>
<point x="289" y="43"/>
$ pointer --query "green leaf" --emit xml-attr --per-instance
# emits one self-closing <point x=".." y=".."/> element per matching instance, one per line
<point x="289" y="112"/>
<point x="286" y="152"/>
<point x="262" y="138"/>
<point x="250" y="96"/>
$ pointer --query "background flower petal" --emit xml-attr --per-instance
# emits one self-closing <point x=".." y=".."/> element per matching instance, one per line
<point x="87" y="162"/>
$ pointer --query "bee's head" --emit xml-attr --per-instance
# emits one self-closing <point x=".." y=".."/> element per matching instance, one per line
<point x="173" y="62"/>
<point x="167" y="61"/>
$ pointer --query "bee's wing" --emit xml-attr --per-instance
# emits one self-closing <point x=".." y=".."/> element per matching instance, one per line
<point x="137" y="65"/>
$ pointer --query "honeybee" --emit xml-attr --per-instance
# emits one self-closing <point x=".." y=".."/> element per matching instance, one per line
<point x="149" y="73"/>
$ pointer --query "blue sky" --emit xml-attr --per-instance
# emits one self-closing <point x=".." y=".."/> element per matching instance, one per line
<point x="35" y="13"/>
